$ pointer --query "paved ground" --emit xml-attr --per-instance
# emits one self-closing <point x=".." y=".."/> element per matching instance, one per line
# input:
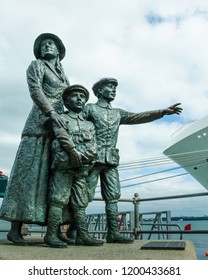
<point x="37" y="250"/>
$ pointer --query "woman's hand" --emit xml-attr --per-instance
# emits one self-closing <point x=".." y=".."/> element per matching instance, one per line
<point x="55" y="117"/>
<point x="76" y="158"/>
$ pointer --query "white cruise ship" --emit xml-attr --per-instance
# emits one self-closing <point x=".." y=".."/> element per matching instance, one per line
<point x="189" y="149"/>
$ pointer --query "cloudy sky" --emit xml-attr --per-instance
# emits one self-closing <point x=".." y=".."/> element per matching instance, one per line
<point x="157" y="49"/>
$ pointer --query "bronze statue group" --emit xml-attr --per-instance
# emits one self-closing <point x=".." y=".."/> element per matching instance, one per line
<point x="66" y="147"/>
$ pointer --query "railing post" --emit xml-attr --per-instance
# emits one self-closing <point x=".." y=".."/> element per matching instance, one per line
<point x="136" y="215"/>
<point x="168" y="221"/>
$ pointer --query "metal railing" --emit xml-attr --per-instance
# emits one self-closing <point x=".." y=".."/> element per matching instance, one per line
<point x="157" y="227"/>
<point x="132" y="222"/>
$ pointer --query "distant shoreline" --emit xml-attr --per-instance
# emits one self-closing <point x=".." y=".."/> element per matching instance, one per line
<point x="188" y="218"/>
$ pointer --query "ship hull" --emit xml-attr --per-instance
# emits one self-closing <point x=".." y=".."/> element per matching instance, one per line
<point x="189" y="149"/>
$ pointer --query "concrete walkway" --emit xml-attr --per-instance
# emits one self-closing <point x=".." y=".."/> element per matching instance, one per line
<point x="37" y="250"/>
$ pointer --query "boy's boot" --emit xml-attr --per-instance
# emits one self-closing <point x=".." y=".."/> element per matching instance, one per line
<point x="54" y="220"/>
<point x="113" y="235"/>
<point x="83" y="237"/>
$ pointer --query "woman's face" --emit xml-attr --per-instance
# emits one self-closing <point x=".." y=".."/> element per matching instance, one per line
<point x="48" y="49"/>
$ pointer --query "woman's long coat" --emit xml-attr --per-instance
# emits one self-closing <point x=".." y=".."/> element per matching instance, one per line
<point x="26" y="196"/>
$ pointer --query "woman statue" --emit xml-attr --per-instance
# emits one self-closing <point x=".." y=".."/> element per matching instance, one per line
<point x="26" y="194"/>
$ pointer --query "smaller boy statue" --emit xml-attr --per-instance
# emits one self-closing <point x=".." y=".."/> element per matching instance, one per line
<point x="74" y="153"/>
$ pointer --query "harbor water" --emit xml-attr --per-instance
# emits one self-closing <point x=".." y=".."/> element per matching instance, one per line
<point x="200" y="240"/>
